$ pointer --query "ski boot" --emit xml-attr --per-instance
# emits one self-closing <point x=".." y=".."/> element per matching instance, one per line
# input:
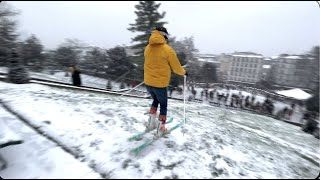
<point x="161" y="129"/>
<point x="152" y="122"/>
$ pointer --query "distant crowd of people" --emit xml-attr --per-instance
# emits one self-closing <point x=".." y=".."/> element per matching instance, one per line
<point x="250" y="102"/>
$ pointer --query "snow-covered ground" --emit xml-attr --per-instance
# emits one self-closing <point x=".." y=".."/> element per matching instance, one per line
<point x="38" y="157"/>
<point x="217" y="143"/>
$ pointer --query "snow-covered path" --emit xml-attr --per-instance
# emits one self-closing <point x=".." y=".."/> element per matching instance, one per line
<point x="218" y="143"/>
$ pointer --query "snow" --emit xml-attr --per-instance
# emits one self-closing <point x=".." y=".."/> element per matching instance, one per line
<point x="85" y="88"/>
<point x="3" y="69"/>
<point x="293" y="57"/>
<point x="210" y="59"/>
<point x="216" y="143"/>
<point x="249" y="56"/>
<point x="295" y="93"/>
<point x="266" y="66"/>
<point x="38" y="157"/>
<point x="7" y="135"/>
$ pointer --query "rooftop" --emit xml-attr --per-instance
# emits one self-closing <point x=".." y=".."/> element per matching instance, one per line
<point x="252" y="56"/>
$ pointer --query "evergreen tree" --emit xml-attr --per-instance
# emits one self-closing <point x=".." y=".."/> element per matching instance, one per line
<point x="69" y="53"/>
<point x="185" y="46"/>
<point x="65" y="56"/>
<point x="137" y="72"/>
<point x="8" y="34"/>
<point x="95" y="61"/>
<point x="32" y="53"/>
<point x="49" y="60"/>
<point x="118" y="63"/>
<point x="148" y="18"/>
<point x="17" y="72"/>
<point x="209" y="72"/>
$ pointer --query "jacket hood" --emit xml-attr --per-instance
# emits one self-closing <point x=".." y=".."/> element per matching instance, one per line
<point x="156" y="38"/>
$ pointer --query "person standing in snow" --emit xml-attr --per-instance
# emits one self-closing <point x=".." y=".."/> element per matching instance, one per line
<point x="76" y="80"/>
<point x="159" y="59"/>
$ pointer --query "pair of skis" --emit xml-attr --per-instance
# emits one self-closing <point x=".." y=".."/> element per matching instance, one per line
<point x="148" y="142"/>
<point x="138" y="136"/>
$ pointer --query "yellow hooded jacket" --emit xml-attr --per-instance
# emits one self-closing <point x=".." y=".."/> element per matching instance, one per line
<point x="159" y="59"/>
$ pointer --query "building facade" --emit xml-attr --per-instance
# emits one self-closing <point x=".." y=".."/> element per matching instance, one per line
<point x="295" y="71"/>
<point x="244" y="67"/>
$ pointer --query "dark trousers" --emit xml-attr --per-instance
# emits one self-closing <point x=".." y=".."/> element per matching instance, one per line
<point x="159" y="96"/>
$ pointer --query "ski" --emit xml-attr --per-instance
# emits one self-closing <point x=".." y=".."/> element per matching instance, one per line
<point x="138" y="136"/>
<point x="138" y="149"/>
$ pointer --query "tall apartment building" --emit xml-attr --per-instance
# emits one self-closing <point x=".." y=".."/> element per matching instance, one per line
<point x="244" y="67"/>
<point x="295" y="71"/>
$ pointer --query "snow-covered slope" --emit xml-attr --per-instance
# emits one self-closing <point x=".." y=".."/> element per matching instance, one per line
<point x="218" y="143"/>
<point x="38" y="157"/>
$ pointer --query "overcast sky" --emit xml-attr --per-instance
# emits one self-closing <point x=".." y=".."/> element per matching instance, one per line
<point x="269" y="28"/>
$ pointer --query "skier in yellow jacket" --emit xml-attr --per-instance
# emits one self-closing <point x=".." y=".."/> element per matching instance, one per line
<point x="159" y="60"/>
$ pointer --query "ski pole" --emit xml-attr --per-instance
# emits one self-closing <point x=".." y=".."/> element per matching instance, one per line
<point x="132" y="89"/>
<point x="184" y="98"/>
